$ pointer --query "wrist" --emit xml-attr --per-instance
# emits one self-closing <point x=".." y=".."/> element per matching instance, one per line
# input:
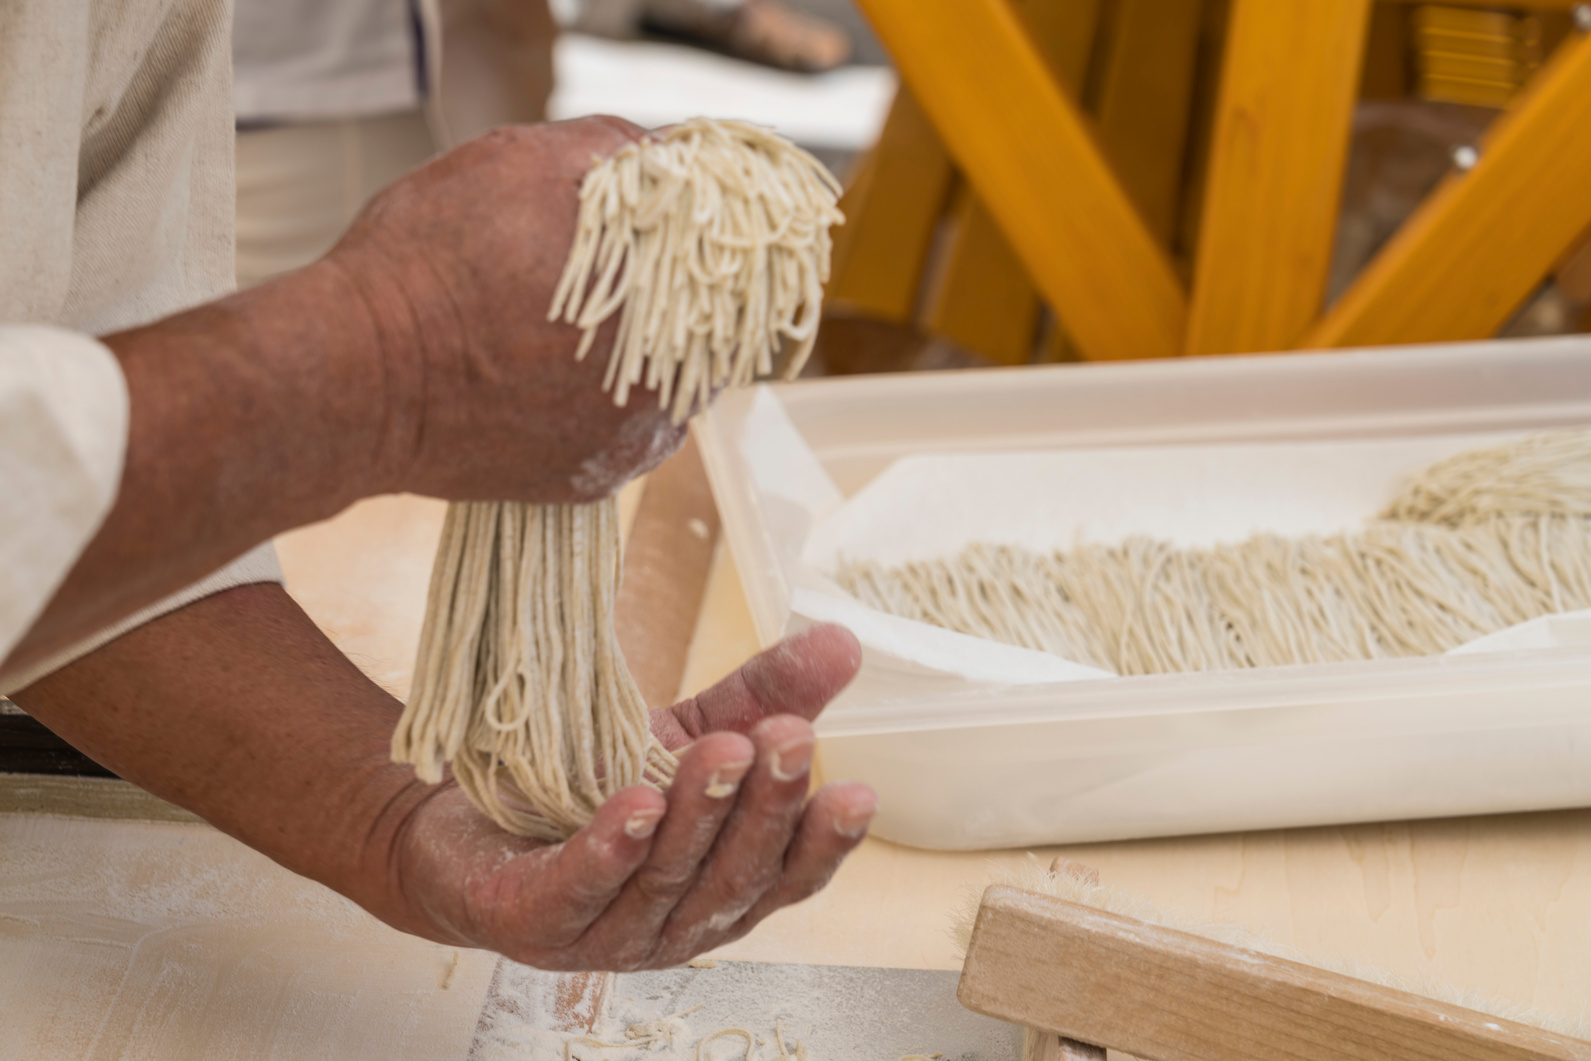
<point x="256" y="407"/>
<point x="354" y="384"/>
<point x="405" y="327"/>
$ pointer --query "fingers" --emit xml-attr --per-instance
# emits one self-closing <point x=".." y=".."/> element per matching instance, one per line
<point x="835" y="822"/>
<point x="798" y="676"/>
<point x="803" y="673"/>
<point x="643" y="888"/>
<point x="748" y="857"/>
<point x="700" y="799"/>
<point x="557" y="898"/>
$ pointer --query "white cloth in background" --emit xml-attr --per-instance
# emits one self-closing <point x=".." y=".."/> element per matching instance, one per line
<point x="308" y="59"/>
<point x="116" y="200"/>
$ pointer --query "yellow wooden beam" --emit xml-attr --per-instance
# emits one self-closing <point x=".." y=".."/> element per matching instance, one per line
<point x="979" y="295"/>
<point x="1573" y="274"/>
<point x="1387" y="72"/>
<point x="891" y="209"/>
<point x="1034" y="161"/>
<point x="1145" y="96"/>
<point x="1063" y="31"/>
<point x="1519" y="5"/>
<point x="1483" y="240"/>
<point x="1283" y="123"/>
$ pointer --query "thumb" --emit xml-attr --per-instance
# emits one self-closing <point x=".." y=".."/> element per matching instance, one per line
<point x="798" y="676"/>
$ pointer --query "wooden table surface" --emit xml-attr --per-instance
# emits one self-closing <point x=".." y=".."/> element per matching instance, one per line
<point x="164" y="941"/>
<point x="1499" y="904"/>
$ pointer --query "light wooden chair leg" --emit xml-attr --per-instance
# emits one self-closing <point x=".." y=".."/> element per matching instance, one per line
<point x="1040" y="1045"/>
<point x="1481" y="243"/>
<point x="1044" y="1046"/>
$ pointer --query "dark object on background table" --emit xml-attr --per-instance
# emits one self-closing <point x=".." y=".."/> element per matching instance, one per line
<point x="27" y="747"/>
<point x="765" y="32"/>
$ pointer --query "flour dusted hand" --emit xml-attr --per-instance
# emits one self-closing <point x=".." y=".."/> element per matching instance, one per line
<point x="456" y="265"/>
<point x="656" y="877"/>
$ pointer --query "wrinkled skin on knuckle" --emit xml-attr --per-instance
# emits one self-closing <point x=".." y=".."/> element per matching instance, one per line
<point x="634" y="954"/>
<point x="687" y="941"/>
<point x="662" y="887"/>
<point x="753" y="877"/>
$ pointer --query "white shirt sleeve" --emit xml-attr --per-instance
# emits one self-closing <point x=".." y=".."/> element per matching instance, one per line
<point x="258" y="565"/>
<point x="63" y="431"/>
<point x="63" y="434"/>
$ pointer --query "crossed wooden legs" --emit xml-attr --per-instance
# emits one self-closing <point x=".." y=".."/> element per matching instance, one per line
<point x="1084" y="205"/>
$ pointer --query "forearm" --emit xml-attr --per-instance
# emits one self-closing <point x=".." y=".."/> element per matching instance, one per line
<point x="239" y="709"/>
<point x="248" y="416"/>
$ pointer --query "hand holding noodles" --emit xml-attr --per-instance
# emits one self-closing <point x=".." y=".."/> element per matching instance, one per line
<point x="711" y="240"/>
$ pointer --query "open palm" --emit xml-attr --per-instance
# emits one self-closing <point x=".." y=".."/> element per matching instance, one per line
<point x="656" y="878"/>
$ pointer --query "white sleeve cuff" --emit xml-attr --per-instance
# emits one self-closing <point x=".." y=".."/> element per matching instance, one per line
<point x="257" y="566"/>
<point x="63" y="430"/>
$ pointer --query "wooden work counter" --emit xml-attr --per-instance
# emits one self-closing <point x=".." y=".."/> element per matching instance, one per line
<point x="1500" y="904"/>
<point x="169" y="940"/>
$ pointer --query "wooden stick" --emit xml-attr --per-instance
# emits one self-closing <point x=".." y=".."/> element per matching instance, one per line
<point x="1165" y="995"/>
<point x="1047" y="1046"/>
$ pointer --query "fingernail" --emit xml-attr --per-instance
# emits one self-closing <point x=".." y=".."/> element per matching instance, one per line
<point x="642" y="824"/>
<point x="726" y="779"/>
<point x="790" y="761"/>
<point x="854" y="826"/>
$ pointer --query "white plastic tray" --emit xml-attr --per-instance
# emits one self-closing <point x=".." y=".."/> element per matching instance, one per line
<point x="975" y="765"/>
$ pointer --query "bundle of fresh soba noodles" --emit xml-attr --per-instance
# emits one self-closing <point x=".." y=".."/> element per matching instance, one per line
<point x="1472" y="544"/>
<point x="711" y="241"/>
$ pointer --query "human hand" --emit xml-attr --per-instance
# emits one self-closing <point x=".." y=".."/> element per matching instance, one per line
<point x="455" y="265"/>
<point x="656" y="878"/>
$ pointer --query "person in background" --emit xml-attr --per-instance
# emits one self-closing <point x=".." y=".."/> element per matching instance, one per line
<point x="759" y="31"/>
<point x="335" y="99"/>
